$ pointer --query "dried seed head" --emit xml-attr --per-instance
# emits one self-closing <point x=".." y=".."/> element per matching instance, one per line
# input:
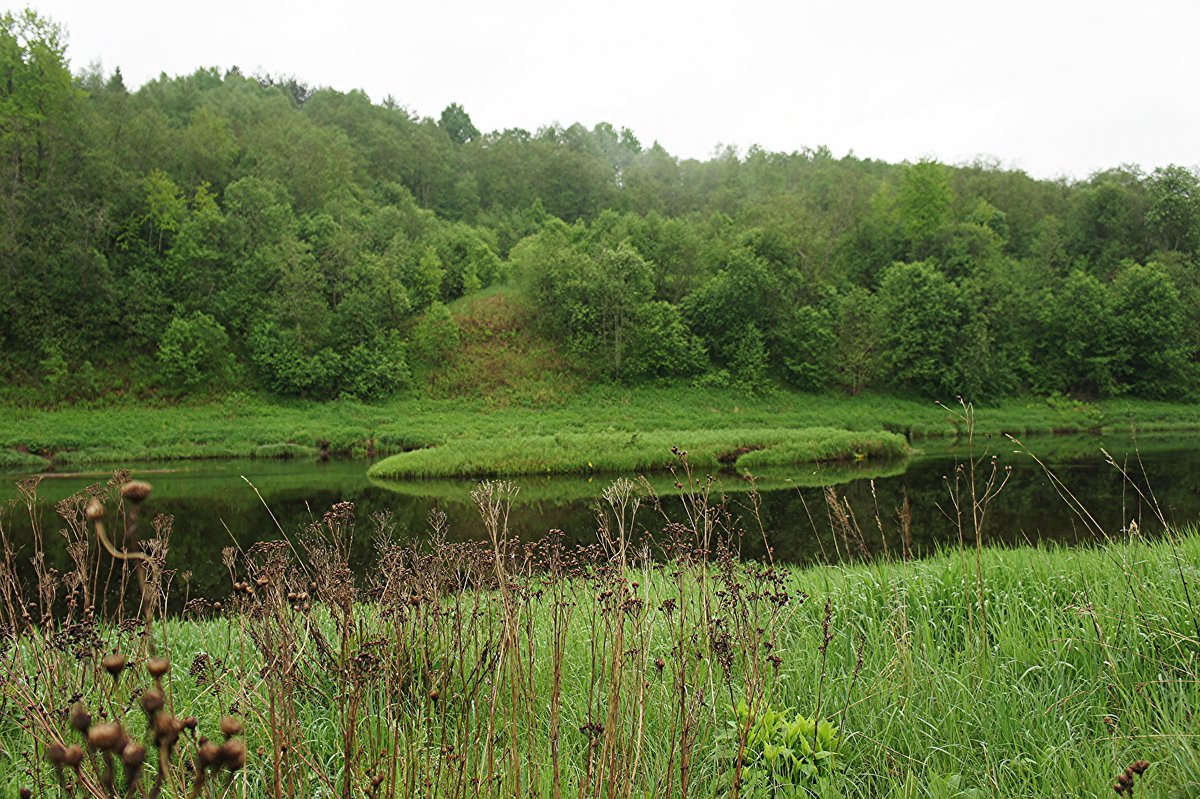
<point x="114" y="664"/>
<point x="189" y="722"/>
<point x="207" y="754"/>
<point x="26" y="793"/>
<point x="56" y="754"/>
<point x="135" y="491"/>
<point x="153" y="701"/>
<point x="80" y="718"/>
<point x="133" y="755"/>
<point x="1139" y="766"/>
<point x="73" y="756"/>
<point x="230" y="726"/>
<point x="233" y="754"/>
<point x="95" y="510"/>
<point x="166" y="729"/>
<point x="158" y="666"/>
<point x="105" y="737"/>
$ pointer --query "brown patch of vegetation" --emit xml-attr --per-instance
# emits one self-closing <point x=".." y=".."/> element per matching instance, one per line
<point x="502" y="356"/>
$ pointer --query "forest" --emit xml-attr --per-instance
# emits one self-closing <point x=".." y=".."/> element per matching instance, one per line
<point x="221" y="230"/>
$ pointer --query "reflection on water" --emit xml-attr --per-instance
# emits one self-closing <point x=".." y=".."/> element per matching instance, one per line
<point x="214" y="506"/>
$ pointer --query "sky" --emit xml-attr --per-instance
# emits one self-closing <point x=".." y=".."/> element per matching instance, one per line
<point x="1055" y="87"/>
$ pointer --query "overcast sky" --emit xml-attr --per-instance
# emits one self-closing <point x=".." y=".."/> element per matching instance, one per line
<point x="1055" y="87"/>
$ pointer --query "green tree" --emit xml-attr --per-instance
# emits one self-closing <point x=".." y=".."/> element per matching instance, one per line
<point x="1078" y="354"/>
<point x="1149" y="319"/>
<point x="857" y="332"/>
<point x="921" y="316"/>
<point x="456" y="122"/>
<point x="808" y="345"/>
<point x="925" y="203"/>
<point x="1173" y="218"/>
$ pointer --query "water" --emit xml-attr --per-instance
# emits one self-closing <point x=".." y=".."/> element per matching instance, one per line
<point x="214" y="506"/>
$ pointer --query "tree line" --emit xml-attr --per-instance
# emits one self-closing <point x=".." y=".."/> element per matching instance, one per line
<point x="220" y="229"/>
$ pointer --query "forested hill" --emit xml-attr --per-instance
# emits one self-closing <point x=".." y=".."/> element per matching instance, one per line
<point x="221" y="230"/>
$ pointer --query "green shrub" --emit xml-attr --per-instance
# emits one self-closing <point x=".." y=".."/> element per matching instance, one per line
<point x="375" y="370"/>
<point x="809" y="348"/>
<point x="662" y="345"/>
<point x="194" y="353"/>
<point x="436" y="336"/>
<point x="366" y="371"/>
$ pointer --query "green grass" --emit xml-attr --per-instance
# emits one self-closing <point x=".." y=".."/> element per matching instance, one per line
<point x="14" y="460"/>
<point x="584" y="453"/>
<point x="285" y="451"/>
<point x="1091" y="660"/>
<point x="561" y="489"/>
<point x="238" y="425"/>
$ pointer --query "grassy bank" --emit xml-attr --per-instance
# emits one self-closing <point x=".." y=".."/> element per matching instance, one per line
<point x="585" y="453"/>
<point x="1024" y="672"/>
<point x="242" y="426"/>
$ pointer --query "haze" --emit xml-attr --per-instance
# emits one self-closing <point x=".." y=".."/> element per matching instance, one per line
<point x="1062" y="88"/>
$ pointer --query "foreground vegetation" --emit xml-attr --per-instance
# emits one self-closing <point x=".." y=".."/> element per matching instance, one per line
<point x="503" y="669"/>
<point x="241" y="426"/>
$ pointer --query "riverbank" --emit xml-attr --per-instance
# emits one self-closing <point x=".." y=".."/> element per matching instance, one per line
<point x="244" y="426"/>
<point x="1078" y="663"/>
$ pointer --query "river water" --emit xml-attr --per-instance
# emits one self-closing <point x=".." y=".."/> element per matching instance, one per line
<point x="214" y="505"/>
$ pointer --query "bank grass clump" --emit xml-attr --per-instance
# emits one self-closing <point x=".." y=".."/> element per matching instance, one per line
<point x="16" y="460"/>
<point x="588" y="453"/>
<point x="286" y="451"/>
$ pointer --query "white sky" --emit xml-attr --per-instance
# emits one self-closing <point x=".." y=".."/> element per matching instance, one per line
<point x="1055" y="87"/>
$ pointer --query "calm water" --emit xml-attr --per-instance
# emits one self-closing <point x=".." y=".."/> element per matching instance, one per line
<point x="213" y="506"/>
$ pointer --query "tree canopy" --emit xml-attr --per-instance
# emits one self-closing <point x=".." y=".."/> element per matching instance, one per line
<point x="216" y="230"/>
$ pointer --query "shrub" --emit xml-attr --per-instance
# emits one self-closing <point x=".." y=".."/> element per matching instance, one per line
<point x="662" y="345"/>
<point x="194" y="353"/>
<point x="436" y="336"/>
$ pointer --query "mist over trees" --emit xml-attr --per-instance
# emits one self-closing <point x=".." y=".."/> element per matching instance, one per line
<point x="219" y="230"/>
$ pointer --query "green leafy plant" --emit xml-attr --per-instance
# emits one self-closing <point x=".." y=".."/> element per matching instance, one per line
<point x="784" y="753"/>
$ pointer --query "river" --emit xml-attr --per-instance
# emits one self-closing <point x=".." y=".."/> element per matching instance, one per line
<point x="215" y="506"/>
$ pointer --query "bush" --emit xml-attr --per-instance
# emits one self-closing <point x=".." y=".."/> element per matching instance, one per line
<point x="436" y="336"/>
<point x="194" y="353"/>
<point x="748" y="359"/>
<point x="367" y="371"/>
<point x="809" y="348"/>
<point x="375" y="370"/>
<point x="662" y="345"/>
